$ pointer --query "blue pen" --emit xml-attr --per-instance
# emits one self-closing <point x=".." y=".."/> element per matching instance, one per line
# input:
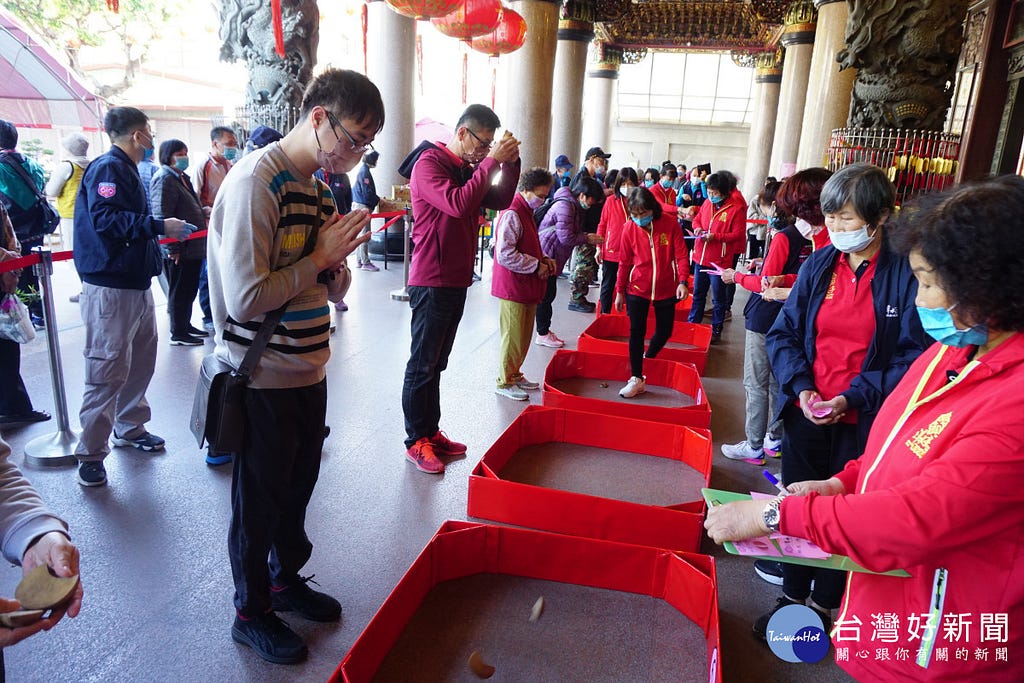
<point x="775" y="482"/>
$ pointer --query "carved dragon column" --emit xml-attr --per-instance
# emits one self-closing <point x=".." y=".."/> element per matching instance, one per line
<point x="906" y="52"/>
<point x="274" y="92"/>
<point x="762" y="128"/>
<point x="575" y="31"/>
<point x="798" y="39"/>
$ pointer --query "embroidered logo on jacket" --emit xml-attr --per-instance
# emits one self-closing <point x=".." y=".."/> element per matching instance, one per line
<point x="831" y="291"/>
<point x="891" y="311"/>
<point x="106" y="190"/>
<point x="663" y="239"/>
<point x="922" y="440"/>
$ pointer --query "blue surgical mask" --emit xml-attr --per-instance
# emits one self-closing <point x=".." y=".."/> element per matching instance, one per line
<point x="643" y="222"/>
<point x="583" y="203"/>
<point x="230" y="153"/>
<point x="181" y="163"/>
<point x="147" y="154"/>
<point x="717" y="200"/>
<point x="648" y="183"/>
<point x="666" y="183"/>
<point x="851" y="242"/>
<point x="775" y="223"/>
<point x="938" y="323"/>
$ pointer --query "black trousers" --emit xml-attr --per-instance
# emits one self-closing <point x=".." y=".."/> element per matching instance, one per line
<point x="811" y="451"/>
<point x="637" y="308"/>
<point x="436" y="312"/>
<point x="14" y="398"/>
<point x="29" y="279"/>
<point x="271" y="486"/>
<point x="182" y="286"/>
<point x="543" y="314"/>
<point x="609" y="274"/>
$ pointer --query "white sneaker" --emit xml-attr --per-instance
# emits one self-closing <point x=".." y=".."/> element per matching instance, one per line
<point x="527" y="385"/>
<point x="634" y="387"/>
<point x="743" y="451"/>
<point x="513" y="392"/>
<point x="772" y="446"/>
<point x="549" y="340"/>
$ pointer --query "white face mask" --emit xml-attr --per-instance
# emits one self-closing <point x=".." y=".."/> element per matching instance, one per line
<point x="805" y="228"/>
<point x="624" y="190"/>
<point x="850" y="242"/>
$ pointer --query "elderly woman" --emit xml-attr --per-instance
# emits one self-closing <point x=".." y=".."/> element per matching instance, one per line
<point x="939" y="490"/>
<point x="521" y="274"/>
<point x="843" y="340"/>
<point x="171" y="194"/>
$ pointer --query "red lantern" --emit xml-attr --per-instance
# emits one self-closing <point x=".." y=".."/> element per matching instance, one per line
<point x="508" y="37"/>
<point x="423" y="9"/>
<point x="470" y="19"/>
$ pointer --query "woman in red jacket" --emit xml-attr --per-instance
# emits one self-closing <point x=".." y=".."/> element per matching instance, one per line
<point x="613" y="216"/>
<point x="721" y="229"/>
<point x="939" y="490"/>
<point x="654" y="263"/>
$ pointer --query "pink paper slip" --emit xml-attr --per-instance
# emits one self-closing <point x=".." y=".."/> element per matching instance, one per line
<point x="757" y="546"/>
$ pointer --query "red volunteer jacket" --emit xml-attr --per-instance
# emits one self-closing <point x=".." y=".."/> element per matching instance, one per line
<point x="613" y="215"/>
<point x="726" y="226"/>
<point x="652" y="264"/>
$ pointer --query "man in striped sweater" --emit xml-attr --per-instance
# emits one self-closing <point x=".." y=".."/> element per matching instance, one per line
<point x="261" y="218"/>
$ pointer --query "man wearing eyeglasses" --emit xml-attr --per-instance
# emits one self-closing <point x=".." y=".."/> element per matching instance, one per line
<point x="262" y="217"/>
<point x="450" y="184"/>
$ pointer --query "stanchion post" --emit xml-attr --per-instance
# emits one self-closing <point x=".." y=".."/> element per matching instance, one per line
<point x="403" y="293"/>
<point x="57" y="449"/>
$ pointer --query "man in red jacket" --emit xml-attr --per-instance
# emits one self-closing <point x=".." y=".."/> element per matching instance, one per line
<point x="449" y="186"/>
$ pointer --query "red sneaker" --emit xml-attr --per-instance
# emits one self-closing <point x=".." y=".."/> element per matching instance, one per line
<point x="422" y="455"/>
<point x="445" y="446"/>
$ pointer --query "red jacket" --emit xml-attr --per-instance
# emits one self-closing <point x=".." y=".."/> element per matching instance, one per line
<point x="726" y="226"/>
<point x="613" y="215"/>
<point x="940" y="484"/>
<point x="665" y="197"/>
<point x="447" y="196"/>
<point x="652" y="264"/>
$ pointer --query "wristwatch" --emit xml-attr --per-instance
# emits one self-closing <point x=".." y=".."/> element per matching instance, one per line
<point x="772" y="515"/>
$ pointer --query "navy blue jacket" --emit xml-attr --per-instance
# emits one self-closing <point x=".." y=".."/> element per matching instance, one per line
<point x="116" y="240"/>
<point x="365" y="190"/>
<point x="899" y="337"/>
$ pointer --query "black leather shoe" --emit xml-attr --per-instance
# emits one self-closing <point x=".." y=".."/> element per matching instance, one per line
<point x="270" y="637"/>
<point x="311" y="604"/>
<point x="185" y="340"/>
<point x="25" y="418"/>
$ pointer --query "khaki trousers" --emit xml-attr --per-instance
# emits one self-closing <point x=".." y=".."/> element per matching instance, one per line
<point x="515" y="321"/>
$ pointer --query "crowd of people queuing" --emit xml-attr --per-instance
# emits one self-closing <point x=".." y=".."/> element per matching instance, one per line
<point x="877" y="427"/>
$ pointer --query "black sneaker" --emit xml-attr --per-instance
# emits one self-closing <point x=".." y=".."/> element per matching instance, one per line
<point x="270" y="637"/>
<point x="196" y="332"/>
<point x="761" y="625"/>
<point x="299" y="597"/>
<point x="769" y="570"/>
<point x="144" y="442"/>
<point x="186" y="340"/>
<point x="92" y="474"/>
<point x="582" y="306"/>
<point x="716" y="337"/>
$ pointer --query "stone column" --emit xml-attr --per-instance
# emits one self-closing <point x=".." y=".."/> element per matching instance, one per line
<point x="391" y="65"/>
<point x="599" y="95"/>
<point x="797" y="38"/>
<point x="530" y="71"/>
<point x="575" y="31"/>
<point x="762" y="128"/>
<point x="828" y="88"/>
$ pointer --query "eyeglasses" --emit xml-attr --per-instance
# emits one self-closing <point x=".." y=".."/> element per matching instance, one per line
<point x="353" y="145"/>
<point x="486" y="145"/>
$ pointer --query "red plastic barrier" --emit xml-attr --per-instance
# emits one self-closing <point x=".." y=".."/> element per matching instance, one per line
<point x="677" y="526"/>
<point x="686" y="581"/>
<point x="681" y="377"/>
<point x="604" y="336"/>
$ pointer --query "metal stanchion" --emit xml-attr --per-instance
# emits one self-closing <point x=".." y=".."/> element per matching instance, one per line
<point x="403" y="293"/>
<point x="57" y="449"/>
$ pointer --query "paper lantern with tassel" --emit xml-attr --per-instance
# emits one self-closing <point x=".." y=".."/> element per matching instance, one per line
<point x="509" y="36"/>
<point x="423" y="9"/>
<point x="470" y="19"/>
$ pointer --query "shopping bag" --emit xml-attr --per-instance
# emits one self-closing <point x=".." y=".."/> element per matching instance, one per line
<point x="15" y="321"/>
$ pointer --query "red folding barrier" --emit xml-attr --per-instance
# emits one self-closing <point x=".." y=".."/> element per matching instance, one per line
<point x="689" y="342"/>
<point x="677" y="526"/>
<point x="685" y="581"/>
<point x="662" y="402"/>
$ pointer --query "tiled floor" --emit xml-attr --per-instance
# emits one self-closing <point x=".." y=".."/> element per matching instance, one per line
<point x="154" y="565"/>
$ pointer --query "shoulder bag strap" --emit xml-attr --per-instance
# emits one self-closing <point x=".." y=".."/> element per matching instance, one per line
<point x="20" y="170"/>
<point x="266" y="331"/>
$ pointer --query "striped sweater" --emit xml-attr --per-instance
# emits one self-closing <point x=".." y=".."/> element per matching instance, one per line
<point x="258" y="228"/>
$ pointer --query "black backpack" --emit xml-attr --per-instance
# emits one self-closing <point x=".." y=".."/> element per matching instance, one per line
<point x="542" y="210"/>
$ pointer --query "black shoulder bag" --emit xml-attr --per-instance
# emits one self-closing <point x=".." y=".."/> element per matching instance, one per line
<point x="218" y="409"/>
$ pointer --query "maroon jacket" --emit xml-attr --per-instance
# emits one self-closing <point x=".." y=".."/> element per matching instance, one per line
<point x="447" y="195"/>
<point x="524" y="288"/>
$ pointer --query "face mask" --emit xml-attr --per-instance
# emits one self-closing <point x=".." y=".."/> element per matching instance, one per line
<point x="230" y="153"/>
<point x="583" y="203"/>
<point x="181" y="163"/>
<point x="535" y="202"/>
<point x="666" y="183"/>
<point x="648" y="183"/>
<point x="938" y="323"/>
<point x="805" y="228"/>
<point x="643" y="222"/>
<point x="333" y="161"/>
<point x="147" y="154"/>
<point x="624" y="190"/>
<point x="851" y="242"/>
<point x="775" y="223"/>
<point x="716" y="200"/>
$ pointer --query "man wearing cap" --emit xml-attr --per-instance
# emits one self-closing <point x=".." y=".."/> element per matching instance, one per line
<point x="260" y="137"/>
<point x="563" y="168"/>
<point x="594" y="166"/>
<point x="364" y="196"/>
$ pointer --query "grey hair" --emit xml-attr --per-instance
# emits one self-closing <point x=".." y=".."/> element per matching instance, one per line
<point x="865" y="186"/>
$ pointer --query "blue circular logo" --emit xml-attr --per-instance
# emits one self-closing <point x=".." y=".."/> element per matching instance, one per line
<point x="797" y="634"/>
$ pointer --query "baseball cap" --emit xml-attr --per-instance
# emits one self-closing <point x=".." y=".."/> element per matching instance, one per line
<point x="597" y="152"/>
<point x="562" y="161"/>
<point x="263" y="136"/>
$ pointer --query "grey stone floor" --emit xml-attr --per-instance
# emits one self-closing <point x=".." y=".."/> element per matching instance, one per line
<point x="154" y="567"/>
